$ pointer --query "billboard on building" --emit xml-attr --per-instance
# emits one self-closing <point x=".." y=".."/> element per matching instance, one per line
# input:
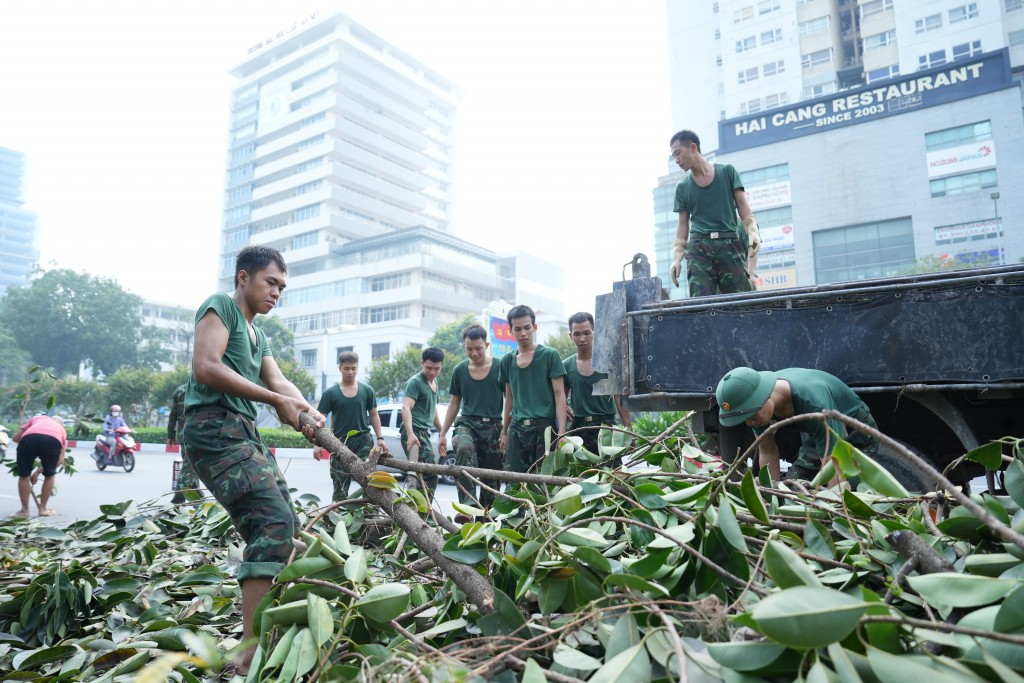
<point x="502" y="341"/>
<point x="769" y="196"/>
<point x="776" y="279"/>
<point x="948" y="83"/>
<point x="966" y="232"/>
<point x="777" y="238"/>
<point x="273" y="107"/>
<point x="962" y="158"/>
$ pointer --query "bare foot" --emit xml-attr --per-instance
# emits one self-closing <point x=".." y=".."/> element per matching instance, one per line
<point x="48" y="512"/>
<point x="20" y="513"/>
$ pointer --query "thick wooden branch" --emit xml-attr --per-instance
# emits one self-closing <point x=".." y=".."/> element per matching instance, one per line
<point x="478" y="590"/>
<point x="912" y="548"/>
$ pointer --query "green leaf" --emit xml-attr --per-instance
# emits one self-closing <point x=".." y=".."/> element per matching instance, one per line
<point x="878" y="478"/>
<point x="650" y="496"/>
<point x="990" y="455"/>
<point x="787" y="568"/>
<point x="843" y="454"/>
<point x="745" y="656"/>
<point x="383" y="603"/>
<point x="686" y="495"/>
<point x="321" y="622"/>
<point x="990" y="564"/>
<point x="341" y="539"/>
<point x="960" y="590"/>
<point x="856" y="506"/>
<point x="592" y="558"/>
<point x="443" y="627"/>
<point x="818" y="540"/>
<point x="634" y="582"/>
<point x="581" y="536"/>
<point x="306" y="652"/>
<point x="684" y="533"/>
<point x="550" y="595"/>
<point x="624" y="636"/>
<point x="505" y="619"/>
<point x="417" y="497"/>
<point x="729" y="527"/>
<point x="752" y="497"/>
<point x="283" y="647"/>
<point x="572" y="658"/>
<point x="893" y="669"/>
<point x="46" y="656"/>
<point x="842" y="664"/>
<point x="533" y="673"/>
<point x="808" y="616"/>
<point x="568" y="500"/>
<point x="355" y="566"/>
<point x="1010" y="617"/>
<point x="632" y="665"/>
<point x="453" y="550"/>
<point x="467" y="510"/>
<point x="1014" y="481"/>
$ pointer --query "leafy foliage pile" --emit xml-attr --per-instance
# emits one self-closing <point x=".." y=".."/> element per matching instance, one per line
<point x="678" y="570"/>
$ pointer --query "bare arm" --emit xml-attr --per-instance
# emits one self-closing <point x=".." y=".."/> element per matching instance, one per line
<point x="624" y="416"/>
<point x="742" y="207"/>
<point x="506" y="417"/>
<point x="558" y="387"/>
<point x="683" y="228"/>
<point x="454" y="403"/>
<point x="410" y="438"/>
<point x="768" y="455"/>
<point x="378" y="432"/>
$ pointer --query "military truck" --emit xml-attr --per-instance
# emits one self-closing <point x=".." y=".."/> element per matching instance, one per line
<point x="938" y="357"/>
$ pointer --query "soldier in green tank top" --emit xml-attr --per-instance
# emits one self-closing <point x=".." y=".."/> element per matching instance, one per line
<point x="419" y="414"/>
<point x="476" y="389"/>
<point x="588" y="411"/>
<point x="232" y="370"/>
<point x="352" y="406"/>
<point x="534" y="393"/>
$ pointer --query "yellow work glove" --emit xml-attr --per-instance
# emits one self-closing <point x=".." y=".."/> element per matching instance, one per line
<point x="678" y="252"/>
<point x="753" y="235"/>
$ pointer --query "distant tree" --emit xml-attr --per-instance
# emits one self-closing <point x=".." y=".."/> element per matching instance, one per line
<point x="164" y="384"/>
<point x="563" y="344"/>
<point x="66" y="318"/>
<point x="82" y="397"/>
<point x="935" y="264"/>
<point x="29" y="396"/>
<point x="280" y="338"/>
<point x="448" y="338"/>
<point x="389" y="375"/>
<point x="131" y="388"/>
<point x="298" y="376"/>
<point x="14" y="361"/>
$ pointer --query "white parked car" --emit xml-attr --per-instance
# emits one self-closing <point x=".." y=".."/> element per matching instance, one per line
<point x="391" y="421"/>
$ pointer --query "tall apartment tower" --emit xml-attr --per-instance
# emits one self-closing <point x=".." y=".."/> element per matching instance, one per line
<point x="18" y="250"/>
<point x="869" y="134"/>
<point x="335" y="135"/>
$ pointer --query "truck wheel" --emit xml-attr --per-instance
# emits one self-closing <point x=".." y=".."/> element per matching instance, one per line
<point x="905" y="473"/>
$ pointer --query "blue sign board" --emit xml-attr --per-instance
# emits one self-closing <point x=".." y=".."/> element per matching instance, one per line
<point x="948" y="83"/>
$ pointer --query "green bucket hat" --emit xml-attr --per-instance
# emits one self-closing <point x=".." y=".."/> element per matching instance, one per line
<point x="741" y="393"/>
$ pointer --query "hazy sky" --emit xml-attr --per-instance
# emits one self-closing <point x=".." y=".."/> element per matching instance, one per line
<point x="122" y="110"/>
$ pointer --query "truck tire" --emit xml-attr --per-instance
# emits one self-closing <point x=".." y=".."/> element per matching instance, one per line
<point x="905" y="473"/>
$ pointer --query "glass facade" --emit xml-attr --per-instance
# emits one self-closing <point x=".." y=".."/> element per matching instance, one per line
<point x="859" y="252"/>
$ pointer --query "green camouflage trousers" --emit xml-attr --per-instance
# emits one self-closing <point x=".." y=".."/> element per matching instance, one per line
<point x="230" y="458"/>
<point x="808" y="457"/>
<point x="594" y="424"/>
<point x="525" y="443"/>
<point x="716" y="266"/>
<point x="427" y="456"/>
<point x="360" y="444"/>
<point x="187" y="479"/>
<point x="476" y="444"/>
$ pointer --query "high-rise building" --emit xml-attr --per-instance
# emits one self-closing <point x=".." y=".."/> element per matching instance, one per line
<point x="865" y="131"/>
<point x="18" y="249"/>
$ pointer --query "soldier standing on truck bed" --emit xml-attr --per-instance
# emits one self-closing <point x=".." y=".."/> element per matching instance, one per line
<point x="720" y="256"/>
<point x="756" y="398"/>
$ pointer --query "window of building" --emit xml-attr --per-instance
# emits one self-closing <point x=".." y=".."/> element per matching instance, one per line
<point x="773" y="36"/>
<point x="306" y="213"/>
<point x="863" y="251"/>
<point x="883" y="73"/>
<point x="960" y="184"/>
<point x="382" y="283"/>
<point x="748" y="75"/>
<point x="750" y="107"/>
<point x="816" y="59"/>
<point x="878" y="40"/>
<point x="813" y="91"/>
<point x="306" y="165"/>
<point x="309" y="358"/>
<point x="874" y="7"/>
<point x="242" y="193"/>
<point x="309" y="142"/>
<point x="380" y="350"/>
<point x="237" y="235"/>
<point x="776" y="100"/>
<point x="306" y="239"/>
<point x="306" y="101"/>
<point x="774" y="68"/>
<point x="718" y="34"/>
<point x="748" y="43"/>
<point x="383" y="314"/>
<point x="814" y="25"/>
<point x="743" y="14"/>
<point x="779" y="215"/>
<point x="963" y="13"/>
<point x="765" y="176"/>
<point x="768" y="6"/>
<point x="966" y="50"/>
<point x="343" y="349"/>
<point x="1013" y="5"/>
<point x="714" y="8"/>
<point x="1015" y="38"/>
<point x="718" y="60"/>
<point x="937" y="58"/>
<point x="306" y="80"/>
<point x="929" y="23"/>
<point x="438" y="314"/>
<point x="309" y="121"/>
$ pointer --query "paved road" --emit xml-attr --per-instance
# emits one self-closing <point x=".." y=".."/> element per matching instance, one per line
<point x="79" y="496"/>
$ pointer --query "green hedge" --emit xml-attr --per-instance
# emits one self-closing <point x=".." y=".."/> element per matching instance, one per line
<point x="275" y="438"/>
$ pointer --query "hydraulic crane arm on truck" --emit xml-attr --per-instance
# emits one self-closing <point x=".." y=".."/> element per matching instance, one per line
<point x="937" y="357"/>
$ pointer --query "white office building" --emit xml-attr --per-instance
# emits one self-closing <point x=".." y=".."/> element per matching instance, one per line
<point x="869" y="134"/>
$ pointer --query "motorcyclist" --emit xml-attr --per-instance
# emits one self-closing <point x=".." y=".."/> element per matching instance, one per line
<point x="110" y="424"/>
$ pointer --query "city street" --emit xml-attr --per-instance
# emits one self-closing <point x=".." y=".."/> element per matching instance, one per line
<point x="79" y="496"/>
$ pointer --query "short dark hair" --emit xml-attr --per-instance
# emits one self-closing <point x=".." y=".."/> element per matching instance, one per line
<point x="474" y="332"/>
<point x="521" y="312"/>
<point x="348" y="357"/>
<point x="686" y="137"/>
<point x="433" y="354"/>
<point x="580" y="318"/>
<point x="255" y="258"/>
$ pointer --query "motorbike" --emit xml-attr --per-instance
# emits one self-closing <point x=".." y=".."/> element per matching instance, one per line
<point x="124" y="450"/>
<point x="4" y="440"/>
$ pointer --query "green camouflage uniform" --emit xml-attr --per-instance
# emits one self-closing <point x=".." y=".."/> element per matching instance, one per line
<point x="360" y="444"/>
<point x="533" y="405"/>
<point x="187" y="479"/>
<point x="476" y="443"/>
<point x="525" y="443"/>
<point x="348" y="414"/>
<point x="716" y="255"/>
<point x="225" y="450"/>
<point x="423" y="413"/>
<point x="589" y="411"/>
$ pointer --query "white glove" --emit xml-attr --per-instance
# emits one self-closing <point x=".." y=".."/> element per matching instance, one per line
<point x="753" y="235"/>
<point x="678" y="252"/>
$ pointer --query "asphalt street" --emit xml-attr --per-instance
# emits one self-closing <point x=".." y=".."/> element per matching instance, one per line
<point x="80" y="495"/>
